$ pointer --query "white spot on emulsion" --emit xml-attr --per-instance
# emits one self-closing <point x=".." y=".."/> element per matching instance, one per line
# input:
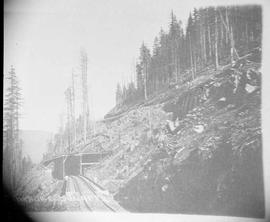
<point x="198" y="128"/>
<point x="165" y="187"/>
<point x="222" y="99"/>
<point x="250" y="88"/>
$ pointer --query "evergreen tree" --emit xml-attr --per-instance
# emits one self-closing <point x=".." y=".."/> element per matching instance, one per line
<point x="118" y="94"/>
<point x="140" y="84"/>
<point x="212" y="37"/>
<point x="145" y="57"/>
<point x="174" y="37"/>
<point x="12" y="144"/>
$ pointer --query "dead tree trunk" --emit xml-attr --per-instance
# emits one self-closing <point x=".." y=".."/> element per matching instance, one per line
<point x="191" y="59"/>
<point x="73" y="112"/>
<point x="216" y="43"/>
<point x="229" y="30"/>
<point x="84" y="94"/>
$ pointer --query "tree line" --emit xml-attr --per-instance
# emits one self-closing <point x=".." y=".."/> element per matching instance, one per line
<point x="14" y="163"/>
<point x="213" y="37"/>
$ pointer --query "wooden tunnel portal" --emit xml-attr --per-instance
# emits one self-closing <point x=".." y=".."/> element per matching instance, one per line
<point x="73" y="164"/>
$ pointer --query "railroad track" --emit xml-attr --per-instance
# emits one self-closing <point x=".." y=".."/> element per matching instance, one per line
<point x="90" y="195"/>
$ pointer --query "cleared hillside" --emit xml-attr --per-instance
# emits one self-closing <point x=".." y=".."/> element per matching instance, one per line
<point x="195" y="148"/>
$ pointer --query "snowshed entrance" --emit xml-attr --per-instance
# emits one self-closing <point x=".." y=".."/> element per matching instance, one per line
<point x="73" y="164"/>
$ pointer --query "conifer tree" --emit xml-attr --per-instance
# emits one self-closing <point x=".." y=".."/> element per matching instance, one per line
<point x="145" y="57"/>
<point x="12" y="146"/>
<point x="212" y="37"/>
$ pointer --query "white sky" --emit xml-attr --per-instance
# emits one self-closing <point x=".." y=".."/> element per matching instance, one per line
<point x="42" y="39"/>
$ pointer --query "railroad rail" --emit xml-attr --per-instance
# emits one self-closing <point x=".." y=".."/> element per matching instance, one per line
<point x="90" y="195"/>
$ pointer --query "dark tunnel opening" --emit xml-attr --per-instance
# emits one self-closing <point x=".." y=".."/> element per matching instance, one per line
<point x="72" y="165"/>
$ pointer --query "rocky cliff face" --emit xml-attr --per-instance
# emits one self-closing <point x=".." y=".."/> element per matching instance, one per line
<point x="196" y="148"/>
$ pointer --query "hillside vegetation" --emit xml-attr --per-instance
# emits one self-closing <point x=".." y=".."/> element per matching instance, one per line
<point x="195" y="148"/>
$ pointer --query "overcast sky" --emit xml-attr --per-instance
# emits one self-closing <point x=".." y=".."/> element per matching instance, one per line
<point x="42" y="40"/>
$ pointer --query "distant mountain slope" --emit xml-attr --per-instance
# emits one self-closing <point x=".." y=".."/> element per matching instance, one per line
<point x="34" y="143"/>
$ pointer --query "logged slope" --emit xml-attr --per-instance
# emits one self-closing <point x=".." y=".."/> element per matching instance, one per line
<point x="202" y="153"/>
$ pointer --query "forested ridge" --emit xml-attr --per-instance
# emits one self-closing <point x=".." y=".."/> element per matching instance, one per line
<point x="212" y="38"/>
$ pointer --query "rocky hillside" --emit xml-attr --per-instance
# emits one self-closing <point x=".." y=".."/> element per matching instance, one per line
<point x="195" y="148"/>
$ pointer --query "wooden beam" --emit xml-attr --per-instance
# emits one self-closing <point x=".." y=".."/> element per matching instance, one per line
<point x="93" y="163"/>
<point x="80" y="164"/>
<point x="63" y="162"/>
<point x="64" y="158"/>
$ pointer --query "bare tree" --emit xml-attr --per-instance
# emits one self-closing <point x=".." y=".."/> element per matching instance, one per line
<point x="85" y="104"/>
<point x="216" y="42"/>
